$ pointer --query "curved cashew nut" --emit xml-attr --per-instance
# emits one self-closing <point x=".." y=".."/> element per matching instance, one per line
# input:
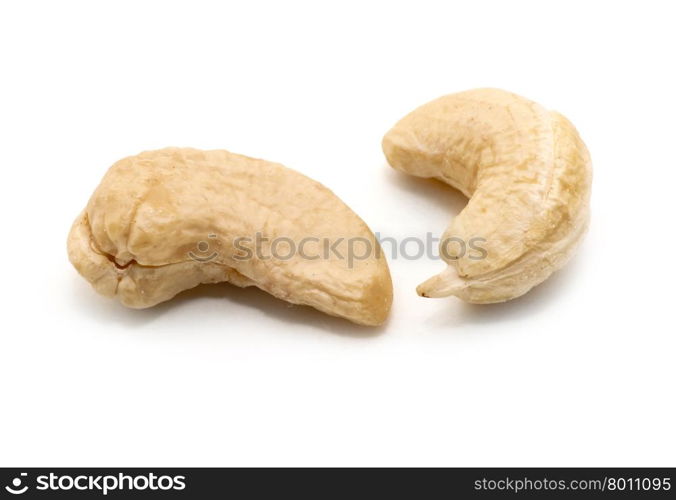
<point x="167" y="220"/>
<point x="527" y="174"/>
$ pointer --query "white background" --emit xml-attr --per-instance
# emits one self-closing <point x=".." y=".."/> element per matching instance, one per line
<point x="579" y="372"/>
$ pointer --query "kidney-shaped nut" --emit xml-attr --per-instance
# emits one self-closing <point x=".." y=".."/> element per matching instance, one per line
<point x="165" y="221"/>
<point x="527" y="174"/>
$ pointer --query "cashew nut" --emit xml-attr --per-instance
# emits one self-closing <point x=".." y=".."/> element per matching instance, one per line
<point x="165" y="221"/>
<point x="527" y="174"/>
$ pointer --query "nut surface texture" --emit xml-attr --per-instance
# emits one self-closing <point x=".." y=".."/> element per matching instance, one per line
<point x="165" y="221"/>
<point x="527" y="175"/>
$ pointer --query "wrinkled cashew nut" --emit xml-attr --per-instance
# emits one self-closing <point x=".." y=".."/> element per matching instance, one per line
<point x="527" y="175"/>
<point x="164" y="221"/>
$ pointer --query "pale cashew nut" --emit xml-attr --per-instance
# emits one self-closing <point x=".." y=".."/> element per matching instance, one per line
<point x="165" y="221"/>
<point x="527" y="174"/>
